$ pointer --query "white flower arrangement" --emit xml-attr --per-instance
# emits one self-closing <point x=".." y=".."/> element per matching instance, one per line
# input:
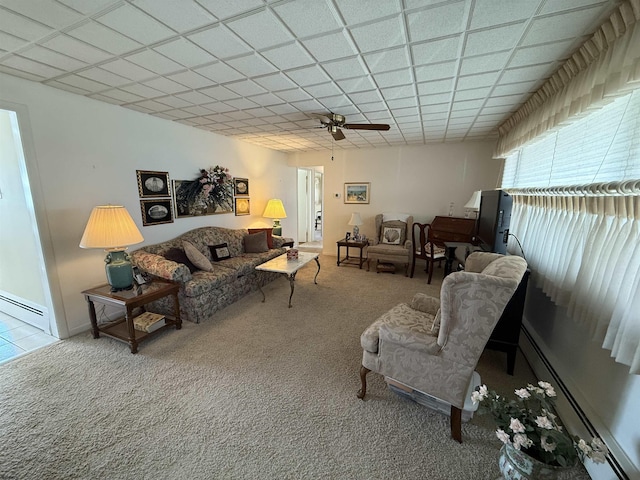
<point x="529" y="424"/>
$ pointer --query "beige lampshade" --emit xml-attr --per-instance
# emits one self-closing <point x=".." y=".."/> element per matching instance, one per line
<point x="110" y="227"/>
<point x="355" y="219"/>
<point x="274" y="209"/>
<point x="474" y="201"/>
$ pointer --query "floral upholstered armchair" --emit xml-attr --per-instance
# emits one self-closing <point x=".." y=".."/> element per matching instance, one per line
<point x="433" y="345"/>
<point x="392" y="241"/>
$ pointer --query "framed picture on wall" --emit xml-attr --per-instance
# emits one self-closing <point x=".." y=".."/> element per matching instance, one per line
<point x="356" y="192"/>
<point x="153" y="184"/>
<point x="243" y="206"/>
<point x="157" y="211"/>
<point x="240" y="187"/>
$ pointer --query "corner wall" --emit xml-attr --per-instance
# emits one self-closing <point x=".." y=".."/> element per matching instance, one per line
<point x="87" y="152"/>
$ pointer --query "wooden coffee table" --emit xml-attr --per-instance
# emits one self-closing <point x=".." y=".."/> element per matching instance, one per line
<point x="288" y="268"/>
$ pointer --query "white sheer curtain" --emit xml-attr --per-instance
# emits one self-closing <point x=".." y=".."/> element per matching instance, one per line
<point x="585" y="255"/>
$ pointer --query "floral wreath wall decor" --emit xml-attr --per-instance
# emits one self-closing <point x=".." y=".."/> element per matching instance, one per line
<point x="209" y="194"/>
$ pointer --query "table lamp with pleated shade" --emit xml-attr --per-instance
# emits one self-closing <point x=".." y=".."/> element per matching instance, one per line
<point x="275" y="210"/>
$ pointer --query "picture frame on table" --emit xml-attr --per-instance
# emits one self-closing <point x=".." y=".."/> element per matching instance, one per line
<point x="153" y="184"/>
<point x="156" y="211"/>
<point x="241" y="187"/>
<point x="347" y="236"/>
<point x="357" y="192"/>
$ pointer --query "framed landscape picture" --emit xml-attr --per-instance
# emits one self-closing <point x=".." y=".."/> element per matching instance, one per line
<point x="243" y="206"/>
<point x="356" y="192"/>
<point x="157" y="211"/>
<point x="153" y="184"/>
<point x="240" y="187"/>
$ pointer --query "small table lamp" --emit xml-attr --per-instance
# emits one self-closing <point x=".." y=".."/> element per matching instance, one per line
<point x="112" y="228"/>
<point x="275" y="210"/>
<point x="473" y="205"/>
<point x="355" y="221"/>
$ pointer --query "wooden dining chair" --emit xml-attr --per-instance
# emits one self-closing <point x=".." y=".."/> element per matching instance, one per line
<point x="431" y="252"/>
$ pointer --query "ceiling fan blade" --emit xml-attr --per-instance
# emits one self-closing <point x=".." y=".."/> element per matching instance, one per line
<point x="324" y="118"/>
<point x="337" y="135"/>
<point x="366" y="126"/>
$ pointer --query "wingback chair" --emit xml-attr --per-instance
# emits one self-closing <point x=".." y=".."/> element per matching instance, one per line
<point x="433" y="345"/>
<point x="392" y="241"/>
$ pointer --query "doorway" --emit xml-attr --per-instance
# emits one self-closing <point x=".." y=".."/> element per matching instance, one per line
<point x="310" y="207"/>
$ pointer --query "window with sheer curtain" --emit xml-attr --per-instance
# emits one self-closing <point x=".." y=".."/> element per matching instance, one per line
<point x="577" y="215"/>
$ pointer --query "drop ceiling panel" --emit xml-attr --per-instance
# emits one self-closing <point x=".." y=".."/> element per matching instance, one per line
<point x="434" y="70"/>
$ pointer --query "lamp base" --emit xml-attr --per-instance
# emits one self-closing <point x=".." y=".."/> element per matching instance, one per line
<point x="119" y="271"/>
<point x="356" y="231"/>
<point x="277" y="228"/>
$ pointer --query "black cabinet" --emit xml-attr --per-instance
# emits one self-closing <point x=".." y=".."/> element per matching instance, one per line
<point x="506" y="334"/>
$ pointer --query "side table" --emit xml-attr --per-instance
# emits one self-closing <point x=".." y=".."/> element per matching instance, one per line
<point x="122" y="329"/>
<point x="352" y="243"/>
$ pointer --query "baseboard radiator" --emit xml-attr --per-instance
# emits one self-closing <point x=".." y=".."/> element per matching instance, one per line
<point x="572" y="414"/>
<point x="25" y="310"/>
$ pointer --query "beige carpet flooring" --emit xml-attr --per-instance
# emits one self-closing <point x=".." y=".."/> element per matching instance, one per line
<point x="260" y="391"/>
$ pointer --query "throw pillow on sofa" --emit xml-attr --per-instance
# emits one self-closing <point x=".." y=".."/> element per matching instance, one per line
<point x="220" y="252"/>
<point x="178" y="256"/>
<point x="197" y="258"/>
<point x="269" y="234"/>
<point x="256" y="243"/>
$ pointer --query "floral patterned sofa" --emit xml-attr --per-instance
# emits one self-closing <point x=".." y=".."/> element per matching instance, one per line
<point x="202" y="293"/>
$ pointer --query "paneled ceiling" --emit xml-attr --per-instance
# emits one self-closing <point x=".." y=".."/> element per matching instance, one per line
<point x="435" y="71"/>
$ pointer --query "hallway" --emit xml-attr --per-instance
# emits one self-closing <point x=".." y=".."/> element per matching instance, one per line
<point x="18" y="338"/>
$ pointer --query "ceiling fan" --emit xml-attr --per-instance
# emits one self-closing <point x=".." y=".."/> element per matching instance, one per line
<point x="335" y="122"/>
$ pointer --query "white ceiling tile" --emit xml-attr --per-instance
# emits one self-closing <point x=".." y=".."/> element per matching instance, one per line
<point x="472" y="93"/>
<point x="345" y="68"/>
<point x="190" y="79"/>
<point x="476" y="81"/>
<point x="353" y="11"/>
<point x="127" y="69"/>
<point x="488" y="13"/>
<point x="561" y="26"/>
<point x="122" y="96"/>
<point x="398" y="92"/>
<point x="261" y="29"/>
<point x="392" y="79"/>
<point x="437" y="86"/>
<point x="402" y="102"/>
<point x="21" y="27"/>
<point x="559" y="5"/>
<point x="335" y="103"/>
<point x="426" y="73"/>
<point x="154" y="61"/>
<point x="165" y="85"/>
<point x="515" y="88"/>
<point x="220" y="42"/>
<point x="387" y="60"/>
<point x="308" y="76"/>
<point x="104" y="98"/>
<point x="219" y="72"/>
<point x="29" y="66"/>
<point x="181" y="16"/>
<point x="259" y="112"/>
<point x="230" y="8"/>
<point x="152" y="105"/>
<point x="88" y="7"/>
<point x="266" y="99"/>
<point x="493" y="40"/>
<point x="323" y="90"/>
<point x="54" y="59"/>
<point x="484" y="63"/>
<point x="219" y="93"/>
<point x="83" y="83"/>
<point x="288" y="56"/>
<point x="307" y="105"/>
<point x="245" y="88"/>
<point x="198" y="110"/>
<point x="46" y="12"/>
<point x="507" y="100"/>
<point x="194" y="97"/>
<point x="275" y="82"/>
<point x="405" y="112"/>
<point x="185" y="53"/>
<point x="76" y="49"/>
<point x="435" y="98"/>
<point x="330" y="46"/>
<point x="356" y="84"/>
<point x="308" y="17"/>
<point x="293" y="95"/>
<point x="380" y="35"/>
<point x="173" y="102"/>
<point x="532" y="55"/>
<point x="439" y="21"/>
<point x="104" y="38"/>
<point x="135" y="24"/>
<point x="282" y="109"/>
<point x="99" y="75"/>
<point x="241" y="103"/>
<point x="143" y="91"/>
<point x="252" y="65"/>
<point x="10" y="42"/>
<point x="525" y="74"/>
<point x="436" y="50"/>
<point x="467" y="104"/>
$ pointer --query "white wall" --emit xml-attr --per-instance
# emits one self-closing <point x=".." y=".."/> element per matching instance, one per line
<point x="420" y="180"/>
<point x="87" y="152"/>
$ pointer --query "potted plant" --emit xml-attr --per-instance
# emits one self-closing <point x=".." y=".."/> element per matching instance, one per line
<point x="535" y="443"/>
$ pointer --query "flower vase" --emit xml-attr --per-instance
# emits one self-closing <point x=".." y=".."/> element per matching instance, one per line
<point x="517" y="465"/>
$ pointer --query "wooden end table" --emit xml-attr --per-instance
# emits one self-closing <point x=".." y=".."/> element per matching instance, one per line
<point x="352" y="243"/>
<point x="122" y="329"/>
